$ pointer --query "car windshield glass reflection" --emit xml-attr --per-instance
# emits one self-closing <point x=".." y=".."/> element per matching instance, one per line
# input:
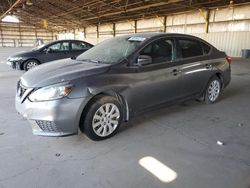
<point x="38" y="47"/>
<point x="111" y="51"/>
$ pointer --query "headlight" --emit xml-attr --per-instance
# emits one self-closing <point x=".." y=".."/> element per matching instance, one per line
<point x="50" y="93"/>
<point x="14" y="58"/>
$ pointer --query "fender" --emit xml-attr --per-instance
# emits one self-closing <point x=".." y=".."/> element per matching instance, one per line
<point x="96" y="92"/>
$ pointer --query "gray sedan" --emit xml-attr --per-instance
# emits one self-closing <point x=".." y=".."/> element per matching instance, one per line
<point x="117" y="79"/>
<point x="44" y="53"/>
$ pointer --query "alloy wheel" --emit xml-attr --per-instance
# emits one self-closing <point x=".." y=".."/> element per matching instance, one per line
<point x="214" y="90"/>
<point x="31" y="64"/>
<point x="106" y="119"/>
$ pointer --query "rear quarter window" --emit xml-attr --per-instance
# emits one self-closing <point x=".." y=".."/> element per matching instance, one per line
<point x="206" y="48"/>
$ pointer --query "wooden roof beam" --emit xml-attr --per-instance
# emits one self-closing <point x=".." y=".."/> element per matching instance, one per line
<point x="134" y="9"/>
<point x="10" y="9"/>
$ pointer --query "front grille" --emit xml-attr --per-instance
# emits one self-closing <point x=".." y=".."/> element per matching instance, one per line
<point x="48" y="126"/>
<point x="13" y="65"/>
<point x="20" y="89"/>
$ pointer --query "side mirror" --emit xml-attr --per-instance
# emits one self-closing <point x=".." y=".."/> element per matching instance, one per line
<point x="144" y="60"/>
<point x="48" y="50"/>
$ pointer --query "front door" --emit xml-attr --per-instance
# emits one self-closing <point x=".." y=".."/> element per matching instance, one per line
<point x="59" y="50"/>
<point x="157" y="82"/>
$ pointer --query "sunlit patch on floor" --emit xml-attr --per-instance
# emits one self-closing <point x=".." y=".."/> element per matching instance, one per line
<point x="158" y="169"/>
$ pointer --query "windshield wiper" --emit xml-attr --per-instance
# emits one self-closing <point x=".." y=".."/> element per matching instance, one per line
<point x="90" y="60"/>
<point x="94" y="61"/>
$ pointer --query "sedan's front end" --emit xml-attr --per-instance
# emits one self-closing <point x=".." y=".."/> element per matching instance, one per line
<point x="52" y="96"/>
<point x="15" y="62"/>
<point x="49" y="110"/>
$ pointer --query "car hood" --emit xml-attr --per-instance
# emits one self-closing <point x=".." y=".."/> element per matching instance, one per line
<point x="61" y="71"/>
<point x="22" y="54"/>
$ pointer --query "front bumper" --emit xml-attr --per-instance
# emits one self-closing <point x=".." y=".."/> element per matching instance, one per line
<point x="15" y="64"/>
<point x="52" y="118"/>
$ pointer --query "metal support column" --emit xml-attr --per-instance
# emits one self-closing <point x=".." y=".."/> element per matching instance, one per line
<point x="165" y="24"/>
<point x="20" y="35"/>
<point x="1" y="35"/>
<point x="114" y="30"/>
<point x="97" y="31"/>
<point x="205" y="14"/>
<point x="135" y="26"/>
<point x="74" y="34"/>
<point x="84" y="32"/>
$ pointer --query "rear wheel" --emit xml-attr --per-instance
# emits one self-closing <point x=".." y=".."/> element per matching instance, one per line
<point x="213" y="90"/>
<point x="30" y="64"/>
<point x="103" y="118"/>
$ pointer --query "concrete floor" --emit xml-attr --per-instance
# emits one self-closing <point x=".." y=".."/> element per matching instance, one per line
<point x="182" y="137"/>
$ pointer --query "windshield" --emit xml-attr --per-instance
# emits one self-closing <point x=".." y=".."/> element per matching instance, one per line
<point x="112" y="50"/>
<point x="38" y="47"/>
<point x="41" y="46"/>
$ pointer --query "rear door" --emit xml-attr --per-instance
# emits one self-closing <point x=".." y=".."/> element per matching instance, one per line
<point x="195" y="66"/>
<point x="78" y="47"/>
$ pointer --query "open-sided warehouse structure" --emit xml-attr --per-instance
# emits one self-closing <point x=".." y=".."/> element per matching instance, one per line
<point x="215" y="21"/>
<point x="168" y="110"/>
<point x="22" y="35"/>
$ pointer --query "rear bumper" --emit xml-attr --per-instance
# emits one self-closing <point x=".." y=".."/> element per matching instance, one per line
<point x="52" y="118"/>
<point x="227" y="77"/>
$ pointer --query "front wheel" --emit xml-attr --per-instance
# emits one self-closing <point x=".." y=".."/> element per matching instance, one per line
<point x="103" y="118"/>
<point x="30" y="64"/>
<point x="213" y="90"/>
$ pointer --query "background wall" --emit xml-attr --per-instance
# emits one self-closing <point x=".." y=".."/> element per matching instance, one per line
<point x="20" y="35"/>
<point x="228" y="30"/>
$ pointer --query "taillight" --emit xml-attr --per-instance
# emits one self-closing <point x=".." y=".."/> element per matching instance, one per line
<point x="229" y="59"/>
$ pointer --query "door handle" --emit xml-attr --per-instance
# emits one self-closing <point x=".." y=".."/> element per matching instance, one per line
<point x="175" y="72"/>
<point x="208" y="66"/>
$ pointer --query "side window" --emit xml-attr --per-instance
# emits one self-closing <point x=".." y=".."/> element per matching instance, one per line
<point x="60" y="46"/>
<point x="190" y="48"/>
<point x="160" y="51"/>
<point x="79" y="46"/>
<point x="64" y="46"/>
<point x="206" y="48"/>
<point x="55" y="47"/>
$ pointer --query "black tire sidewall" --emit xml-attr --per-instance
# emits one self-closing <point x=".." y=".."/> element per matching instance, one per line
<point x="87" y="126"/>
<point x="207" y="100"/>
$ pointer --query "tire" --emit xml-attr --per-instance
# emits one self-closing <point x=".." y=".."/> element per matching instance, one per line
<point x="213" y="90"/>
<point x="103" y="118"/>
<point x="30" y="64"/>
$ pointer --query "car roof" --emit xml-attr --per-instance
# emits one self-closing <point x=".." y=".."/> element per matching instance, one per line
<point x="155" y="35"/>
<point x="65" y="40"/>
<point x="149" y="35"/>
